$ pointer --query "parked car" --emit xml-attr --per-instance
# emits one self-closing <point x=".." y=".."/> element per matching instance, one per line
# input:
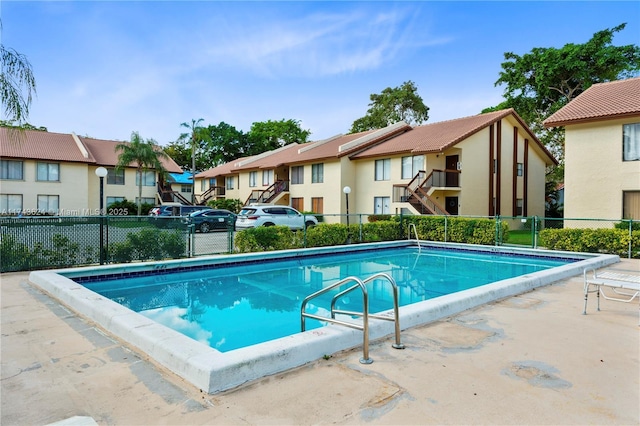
<point x="207" y="220"/>
<point x="176" y="210"/>
<point x="269" y="215"/>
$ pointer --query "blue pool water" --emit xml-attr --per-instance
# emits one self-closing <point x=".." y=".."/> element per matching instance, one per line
<point x="243" y="304"/>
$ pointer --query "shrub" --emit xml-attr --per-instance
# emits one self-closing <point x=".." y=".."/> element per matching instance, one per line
<point x="233" y="205"/>
<point x="611" y="241"/>
<point x="635" y="225"/>
<point x="323" y="235"/>
<point x="268" y="238"/>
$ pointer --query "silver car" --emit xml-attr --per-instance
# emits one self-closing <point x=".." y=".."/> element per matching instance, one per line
<point x="270" y="215"/>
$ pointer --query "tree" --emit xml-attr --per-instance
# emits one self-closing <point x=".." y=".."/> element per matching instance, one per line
<point x="268" y="135"/>
<point x="195" y="135"/>
<point x="542" y="81"/>
<point x="24" y="126"/>
<point x="17" y="85"/>
<point x="145" y="154"/>
<point x="391" y="106"/>
<point x="225" y="143"/>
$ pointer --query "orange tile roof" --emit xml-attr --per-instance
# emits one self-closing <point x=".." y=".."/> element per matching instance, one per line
<point x="223" y="169"/>
<point x="602" y="101"/>
<point x="436" y="137"/>
<point x="270" y="159"/>
<point x="39" y="145"/>
<point x="106" y="154"/>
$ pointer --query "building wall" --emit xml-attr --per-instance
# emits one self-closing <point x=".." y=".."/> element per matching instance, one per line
<point x="595" y="175"/>
<point x="71" y="188"/>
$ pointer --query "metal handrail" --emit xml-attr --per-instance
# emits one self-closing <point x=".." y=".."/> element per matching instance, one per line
<point x="364" y="314"/>
<point x="415" y="232"/>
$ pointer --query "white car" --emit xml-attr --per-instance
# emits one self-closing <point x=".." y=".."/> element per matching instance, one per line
<point x="271" y="214"/>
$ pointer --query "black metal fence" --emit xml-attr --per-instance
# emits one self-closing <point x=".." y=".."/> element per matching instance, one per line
<point x="30" y="243"/>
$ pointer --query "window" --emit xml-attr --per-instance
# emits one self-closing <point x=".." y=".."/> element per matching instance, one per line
<point x="148" y="178"/>
<point x="146" y="200"/>
<point x="48" y="172"/>
<point x="520" y="169"/>
<point x="203" y="185"/>
<point x="229" y="182"/>
<point x="185" y="188"/>
<point x="253" y="179"/>
<point x="10" y="203"/>
<point x="411" y="166"/>
<point x="115" y="177"/>
<point x="10" y="169"/>
<point x="267" y="177"/>
<point x="297" y="175"/>
<point x="381" y="205"/>
<point x="48" y="203"/>
<point x="519" y="204"/>
<point x="298" y="203"/>
<point x="631" y="205"/>
<point x="111" y="200"/>
<point x="317" y="204"/>
<point x="383" y="169"/>
<point x="317" y="173"/>
<point x="631" y="142"/>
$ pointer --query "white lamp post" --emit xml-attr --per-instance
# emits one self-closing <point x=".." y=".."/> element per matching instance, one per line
<point x="347" y="191"/>
<point x="101" y="172"/>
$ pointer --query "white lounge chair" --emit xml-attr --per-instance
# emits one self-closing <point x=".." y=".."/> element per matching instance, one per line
<point x="623" y="287"/>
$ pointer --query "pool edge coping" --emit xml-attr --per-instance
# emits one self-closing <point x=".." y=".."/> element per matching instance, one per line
<point x="213" y="371"/>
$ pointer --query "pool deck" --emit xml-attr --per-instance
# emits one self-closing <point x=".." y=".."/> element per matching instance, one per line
<point x="528" y="359"/>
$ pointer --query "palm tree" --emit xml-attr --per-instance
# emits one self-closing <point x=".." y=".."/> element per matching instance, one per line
<point x="145" y="155"/>
<point x="195" y="135"/>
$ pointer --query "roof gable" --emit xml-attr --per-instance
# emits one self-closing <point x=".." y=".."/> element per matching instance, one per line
<point x="602" y="101"/>
<point x="40" y="145"/>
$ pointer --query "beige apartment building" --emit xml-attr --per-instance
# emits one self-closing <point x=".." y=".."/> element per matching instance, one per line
<point x="602" y="152"/>
<point x="484" y="165"/>
<point x="54" y="173"/>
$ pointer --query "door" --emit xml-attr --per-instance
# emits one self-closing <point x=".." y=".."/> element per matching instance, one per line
<point x="452" y="173"/>
<point x="451" y="204"/>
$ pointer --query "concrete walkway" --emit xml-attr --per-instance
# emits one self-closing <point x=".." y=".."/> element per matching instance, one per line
<point x="530" y="359"/>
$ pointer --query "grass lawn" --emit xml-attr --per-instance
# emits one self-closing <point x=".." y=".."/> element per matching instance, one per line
<point x="523" y="237"/>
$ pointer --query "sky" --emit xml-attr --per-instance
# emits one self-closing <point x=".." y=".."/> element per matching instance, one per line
<point x="107" y="68"/>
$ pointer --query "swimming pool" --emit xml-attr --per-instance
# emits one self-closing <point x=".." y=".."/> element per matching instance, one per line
<point x="246" y="304"/>
<point x="213" y="370"/>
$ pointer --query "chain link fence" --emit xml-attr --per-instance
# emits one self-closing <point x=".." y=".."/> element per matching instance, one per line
<point x="30" y="243"/>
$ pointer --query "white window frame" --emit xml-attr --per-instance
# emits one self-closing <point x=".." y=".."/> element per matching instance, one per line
<point x="48" y="203"/>
<point x="383" y="169"/>
<point x="381" y="205"/>
<point x="297" y="175"/>
<point x="47" y="172"/>
<point x="317" y="173"/>
<point x="253" y="179"/>
<point x="10" y="203"/>
<point x="148" y="178"/>
<point x="411" y="165"/>
<point x="631" y="142"/>
<point x="267" y="177"/>
<point x="113" y="176"/>
<point x="229" y="182"/>
<point x="11" y="170"/>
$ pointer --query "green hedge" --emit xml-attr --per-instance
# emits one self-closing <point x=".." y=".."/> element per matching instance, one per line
<point x="459" y="229"/>
<point x="462" y="230"/>
<point x="610" y="241"/>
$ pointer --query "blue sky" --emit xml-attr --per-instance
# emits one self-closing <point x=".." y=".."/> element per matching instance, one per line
<point x="105" y="69"/>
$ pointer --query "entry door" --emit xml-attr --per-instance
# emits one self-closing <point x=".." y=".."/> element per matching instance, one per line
<point x="451" y="204"/>
<point x="452" y="164"/>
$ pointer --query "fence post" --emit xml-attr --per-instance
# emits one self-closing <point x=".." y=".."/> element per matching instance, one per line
<point x="497" y="236"/>
<point x="535" y="232"/>
<point x="630" y="238"/>
<point x="445" y="228"/>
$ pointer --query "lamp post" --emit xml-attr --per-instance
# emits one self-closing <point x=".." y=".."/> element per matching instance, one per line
<point x="347" y="191"/>
<point x="101" y="172"/>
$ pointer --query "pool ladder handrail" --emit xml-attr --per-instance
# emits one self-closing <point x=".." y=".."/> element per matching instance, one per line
<point x="412" y="226"/>
<point x="364" y="314"/>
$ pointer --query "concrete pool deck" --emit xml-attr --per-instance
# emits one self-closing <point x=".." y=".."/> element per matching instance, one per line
<point x="527" y="359"/>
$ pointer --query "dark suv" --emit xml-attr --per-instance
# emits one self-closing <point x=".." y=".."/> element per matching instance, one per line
<point x="176" y="210"/>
